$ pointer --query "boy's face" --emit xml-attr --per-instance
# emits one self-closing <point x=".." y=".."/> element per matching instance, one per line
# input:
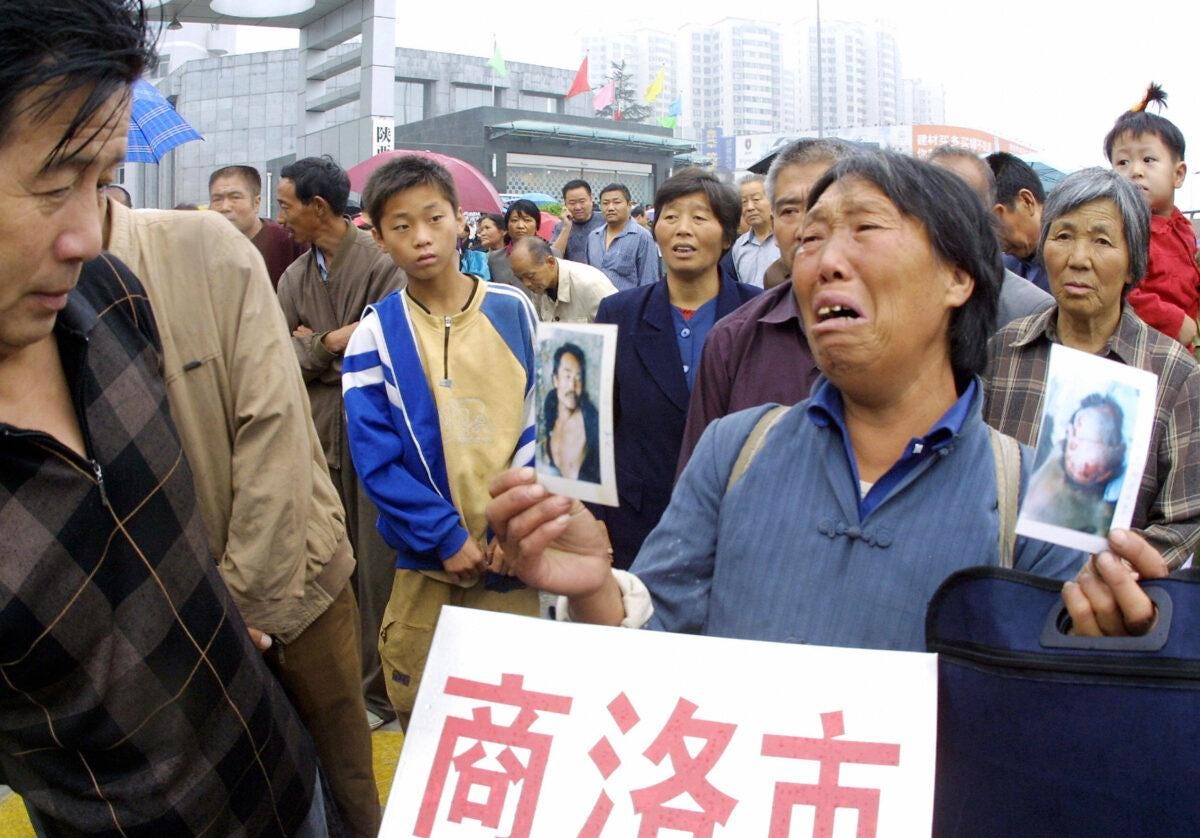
<point x="1146" y="160"/>
<point x="419" y="230"/>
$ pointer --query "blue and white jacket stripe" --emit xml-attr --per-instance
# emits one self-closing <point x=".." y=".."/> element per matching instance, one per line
<point x="393" y="427"/>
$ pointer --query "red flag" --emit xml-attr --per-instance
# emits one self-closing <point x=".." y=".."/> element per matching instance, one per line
<point x="617" y="115"/>
<point x="580" y="85"/>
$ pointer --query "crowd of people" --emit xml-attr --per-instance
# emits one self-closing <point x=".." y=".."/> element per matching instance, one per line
<point x="244" y="462"/>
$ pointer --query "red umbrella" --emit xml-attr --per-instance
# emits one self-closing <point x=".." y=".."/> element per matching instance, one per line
<point x="475" y="192"/>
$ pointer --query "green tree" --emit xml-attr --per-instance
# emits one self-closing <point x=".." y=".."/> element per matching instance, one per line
<point x="625" y="98"/>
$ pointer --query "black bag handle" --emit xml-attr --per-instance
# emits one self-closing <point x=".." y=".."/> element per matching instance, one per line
<point x="1058" y="623"/>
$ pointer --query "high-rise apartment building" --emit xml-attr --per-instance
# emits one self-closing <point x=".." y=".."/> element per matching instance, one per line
<point x="759" y="77"/>
<point x="731" y="75"/>
<point x="851" y="78"/>
<point x="922" y="102"/>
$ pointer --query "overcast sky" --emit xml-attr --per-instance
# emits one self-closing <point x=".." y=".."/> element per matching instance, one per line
<point x="1052" y="74"/>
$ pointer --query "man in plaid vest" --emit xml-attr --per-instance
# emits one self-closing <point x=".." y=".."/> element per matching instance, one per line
<point x="132" y="700"/>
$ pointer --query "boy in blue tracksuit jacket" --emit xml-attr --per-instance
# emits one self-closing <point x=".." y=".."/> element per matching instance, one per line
<point x="438" y="382"/>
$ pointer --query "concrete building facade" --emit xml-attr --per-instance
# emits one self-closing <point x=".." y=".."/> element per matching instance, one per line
<point x="242" y="105"/>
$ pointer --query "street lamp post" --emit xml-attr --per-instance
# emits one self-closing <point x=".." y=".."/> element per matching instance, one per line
<point x="820" y="77"/>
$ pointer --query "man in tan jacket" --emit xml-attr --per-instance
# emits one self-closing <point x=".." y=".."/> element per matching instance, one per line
<point x="323" y="293"/>
<point x="274" y="523"/>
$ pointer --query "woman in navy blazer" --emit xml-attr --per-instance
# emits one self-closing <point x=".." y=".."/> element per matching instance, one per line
<point x="661" y="331"/>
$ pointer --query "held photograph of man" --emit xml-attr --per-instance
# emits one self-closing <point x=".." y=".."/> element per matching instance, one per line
<point x="1092" y="448"/>
<point x="574" y="403"/>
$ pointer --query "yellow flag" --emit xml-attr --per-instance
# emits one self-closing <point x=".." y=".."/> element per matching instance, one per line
<point x="656" y="87"/>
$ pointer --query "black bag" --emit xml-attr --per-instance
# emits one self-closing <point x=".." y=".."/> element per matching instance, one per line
<point x="1043" y="733"/>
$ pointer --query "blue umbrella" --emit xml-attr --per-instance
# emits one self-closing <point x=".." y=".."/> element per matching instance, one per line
<point x="541" y="198"/>
<point x="155" y="127"/>
<point x="1049" y="175"/>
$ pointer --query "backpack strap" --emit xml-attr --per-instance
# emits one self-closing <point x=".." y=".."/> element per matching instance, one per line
<point x="753" y="442"/>
<point x="1007" y="454"/>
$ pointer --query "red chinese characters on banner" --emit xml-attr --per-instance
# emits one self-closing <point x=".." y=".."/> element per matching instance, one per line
<point x="690" y="773"/>
<point x="827" y="795"/>
<point x="480" y="729"/>
<point x="484" y="777"/>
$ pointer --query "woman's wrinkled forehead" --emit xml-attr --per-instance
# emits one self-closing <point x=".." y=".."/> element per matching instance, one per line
<point x="851" y="194"/>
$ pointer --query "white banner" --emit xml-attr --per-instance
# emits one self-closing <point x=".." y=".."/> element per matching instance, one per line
<point x="526" y="727"/>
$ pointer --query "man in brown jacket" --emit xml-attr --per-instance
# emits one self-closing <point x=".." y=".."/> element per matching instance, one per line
<point x="274" y="523"/>
<point x="322" y="294"/>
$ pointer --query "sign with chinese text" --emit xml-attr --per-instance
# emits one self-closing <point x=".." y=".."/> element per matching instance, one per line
<point x="383" y="134"/>
<point x="526" y="727"/>
<point x="925" y="138"/>
<point x="710" y="145"/>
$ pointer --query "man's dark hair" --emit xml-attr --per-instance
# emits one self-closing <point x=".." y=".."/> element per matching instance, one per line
<point x="576" y="184"/>
<point x="401" y="174"/>
<point x="314" y="177"/>
<point x="1012" y="175"/>
<point x="617" y="187"/>
<point x="959" y="229"/>
<point x="638" y="211"/>
<point x="1138" y="121"/>
<point x="572" y="349"/>
<point x="246" y="173"/>
<point x="725" y="203"/>
<point x="537" y="248"/>
<point x="58" y="48"/>
<point x="525" y="207"/>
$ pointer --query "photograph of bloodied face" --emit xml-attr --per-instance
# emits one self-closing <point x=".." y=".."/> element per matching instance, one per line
<point x="574" y="422"/>
<point x="1091" y="451"/>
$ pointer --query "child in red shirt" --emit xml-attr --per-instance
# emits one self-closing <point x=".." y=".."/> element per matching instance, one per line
<point x="1148" y="149"/>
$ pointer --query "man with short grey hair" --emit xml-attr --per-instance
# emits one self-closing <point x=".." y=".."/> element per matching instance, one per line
<point x="1018" y="296"/>
<point x="563" y="291"/>
<point x="756" y="249"/>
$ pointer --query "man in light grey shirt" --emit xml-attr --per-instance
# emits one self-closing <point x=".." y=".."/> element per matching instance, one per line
<point x="755" y="250"/>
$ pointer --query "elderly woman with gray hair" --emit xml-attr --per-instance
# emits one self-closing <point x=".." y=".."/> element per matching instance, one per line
<point x="1094" y="243"/>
